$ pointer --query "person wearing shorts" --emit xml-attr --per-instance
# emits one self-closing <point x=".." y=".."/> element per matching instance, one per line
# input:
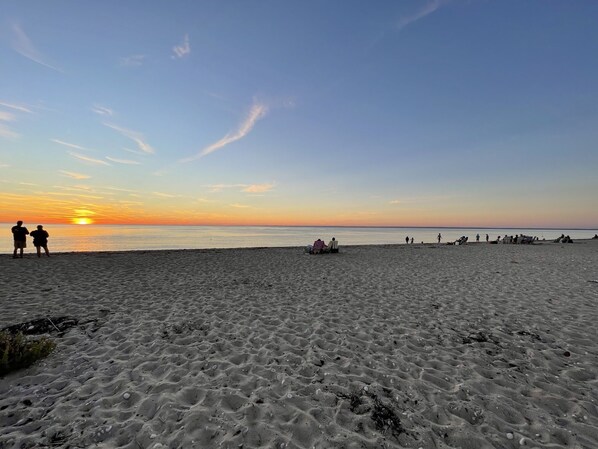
<point x="19" y="233"/>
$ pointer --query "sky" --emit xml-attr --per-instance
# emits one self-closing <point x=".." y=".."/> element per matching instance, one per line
<point x="331" y="112"/>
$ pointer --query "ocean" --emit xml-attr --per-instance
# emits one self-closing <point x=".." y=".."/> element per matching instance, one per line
<point x="77" y="238"/>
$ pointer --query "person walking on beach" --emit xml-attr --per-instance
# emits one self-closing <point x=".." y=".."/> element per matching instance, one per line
<point x="412" y="240"/>
<point x="40" y="240"/>
<point x="487" y="238"/>
<point x="407" y="240"/>
<point x="19" y="233"/>
<point x="439" y="237"/>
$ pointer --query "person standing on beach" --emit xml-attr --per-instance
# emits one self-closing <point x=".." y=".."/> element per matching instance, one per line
<point x="487" y="238"/>
<point x="477" y="237"/>
<point x="439" y="237"/>
<point x="407" y="240"/>
<point x="412" y="240"/>
<point x="19" y="233"/>
<point x="40" y="240"/>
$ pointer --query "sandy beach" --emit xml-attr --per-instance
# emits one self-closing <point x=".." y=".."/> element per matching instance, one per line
<point x="420" y="346"/>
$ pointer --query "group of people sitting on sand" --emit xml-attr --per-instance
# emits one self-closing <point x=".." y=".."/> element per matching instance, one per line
<point x="563" y="239"/>
<point x="319" y="247"/>
<point x="519" y="239"/>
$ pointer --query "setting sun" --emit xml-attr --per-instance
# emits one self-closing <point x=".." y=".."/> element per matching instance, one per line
<point x="82" y="221"/>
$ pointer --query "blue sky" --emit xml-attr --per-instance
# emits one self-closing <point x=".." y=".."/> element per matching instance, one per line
<point x="416" y="112"/>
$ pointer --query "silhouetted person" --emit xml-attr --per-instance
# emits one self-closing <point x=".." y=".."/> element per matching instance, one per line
<point x="407" y="240"/>
<point x="19" y="233"/>
<point x="40" y="240"/>
<point x="439" y="237"/>
<point x="477" y="237"/>
<point x="412" y="240"/>
<point x="487" y="238"/>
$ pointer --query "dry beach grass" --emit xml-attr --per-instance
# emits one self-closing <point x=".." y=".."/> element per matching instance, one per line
<point x="423" y="346"/>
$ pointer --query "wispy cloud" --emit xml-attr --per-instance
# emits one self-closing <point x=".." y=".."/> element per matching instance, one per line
<point x="7" y="133"/>
<point x="70" y="145"/>
<point x="259" y="188"/>
<point x="166" y="195"/>
<point x="426" y="10"/>
<point x="123" y="161"/>
<point x="182" y="50"/>
<point x="221" y="187"/>
<point x="239" y="206"/>
<point x="101" y="110"/>
<point x="132" y="61"/>
<point x="23" y="45"/>
<point x="87" y="159"/>
<point x="6" y="116"/>
<point x="4" y="165"/>
<point x="257" y="112"/>
<point x="73" y="175"/>
<point x="16" y="107"/>
<point x="134" y="136"/>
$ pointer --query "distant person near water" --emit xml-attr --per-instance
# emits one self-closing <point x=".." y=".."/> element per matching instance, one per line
<point x="19" y="233"/>
<point x="487" y="238"/>
<point x="407" y="240"/>
<point x="412" y="240"/>
<point x="40" y="240"/>
<point x="477" y="237"/>
<point x="439" y="237"/>
<point x="333" y="245"/>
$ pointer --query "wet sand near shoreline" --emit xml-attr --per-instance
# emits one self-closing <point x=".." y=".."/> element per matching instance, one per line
<point x="391" y="346"/>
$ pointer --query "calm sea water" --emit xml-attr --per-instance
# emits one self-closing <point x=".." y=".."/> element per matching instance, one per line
<point x="67" y="238"/>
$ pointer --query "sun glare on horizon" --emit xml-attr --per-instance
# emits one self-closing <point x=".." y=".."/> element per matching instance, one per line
<point x="82" y="221"/>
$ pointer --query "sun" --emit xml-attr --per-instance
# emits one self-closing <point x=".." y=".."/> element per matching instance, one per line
<point x="82" y="221"/>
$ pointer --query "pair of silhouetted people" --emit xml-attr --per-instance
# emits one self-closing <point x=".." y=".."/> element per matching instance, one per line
<point x="40" y="239"/>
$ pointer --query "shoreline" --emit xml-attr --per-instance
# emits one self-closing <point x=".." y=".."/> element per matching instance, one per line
<point x="32" y="252"/>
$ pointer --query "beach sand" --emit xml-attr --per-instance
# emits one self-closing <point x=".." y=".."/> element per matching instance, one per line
<point x="423" y="346"/>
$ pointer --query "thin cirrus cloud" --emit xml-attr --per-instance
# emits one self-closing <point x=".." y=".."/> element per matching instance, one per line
<point x="16" y="107"/>
<point x="259" y="188"/>
<point x="101" y="110"/>
<point x="257" y="112"/>
<point x="70" y="145"/>
<point x="23" y="45"/>
<point x="88" y="159"/>
<point x="6" y="116"/>
<point x="132" y="61"/>
<point x="426" y="10"/>
<point x="74" y="175"/>
<point x="123" y="161"/>
<point x="134" y="136"/>
<point x="182" y="50"/>
<point x="248" y="188"/>
<point x="7" y="133"/>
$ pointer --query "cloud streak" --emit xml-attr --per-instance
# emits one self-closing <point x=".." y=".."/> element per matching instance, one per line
<point x="101" y="110"/>
<point x="123" y="161"/>
<point x="7" y="133"/>
<point x="180" y="51"/>
<point x="132" y="61"/>
<point x="70" y="145"/>
<point x="423" y="12"/>
<point x="23" y="45"/>
<point x="88" y="159"/>
<point x="73" y="175"/>
<point x="134" y="136"/>
<point x="16" y="107"/>
<point x="257" y="112"/>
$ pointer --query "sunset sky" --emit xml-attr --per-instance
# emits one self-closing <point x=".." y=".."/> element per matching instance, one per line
<point x="269" y="112"/>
